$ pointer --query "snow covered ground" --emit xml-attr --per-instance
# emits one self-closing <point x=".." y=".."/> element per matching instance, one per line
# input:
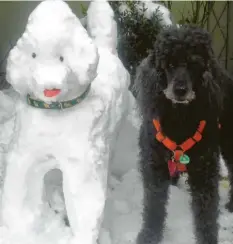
<point x="123" y="208"/>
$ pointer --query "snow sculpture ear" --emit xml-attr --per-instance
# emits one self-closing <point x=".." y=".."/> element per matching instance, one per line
<point x="82" y="55"/>
<point x="101" y="25"/>
<point x="17" y="69"/>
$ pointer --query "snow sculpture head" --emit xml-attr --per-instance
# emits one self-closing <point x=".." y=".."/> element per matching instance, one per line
<point x="54" y="52"/>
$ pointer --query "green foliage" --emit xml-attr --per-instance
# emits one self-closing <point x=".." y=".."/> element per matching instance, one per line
<point x="136" y="33"/>
<point x="198" y="15"/>
<point x="83" y="9"/>
<point x="167" y="4"/>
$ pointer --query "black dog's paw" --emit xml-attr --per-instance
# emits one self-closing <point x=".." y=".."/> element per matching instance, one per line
<point x="229" y="206"/>
<point x="147" y="237"/>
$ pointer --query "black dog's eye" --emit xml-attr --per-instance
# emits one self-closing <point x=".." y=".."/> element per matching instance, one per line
<point x="61" y="59"/>
<point x="33" y="55"/>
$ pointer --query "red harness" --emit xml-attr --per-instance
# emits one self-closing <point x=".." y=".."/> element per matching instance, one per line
<point x="178" y="162"/>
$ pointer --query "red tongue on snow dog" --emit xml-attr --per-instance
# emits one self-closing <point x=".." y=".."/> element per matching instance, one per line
<point x="51" y="93"/>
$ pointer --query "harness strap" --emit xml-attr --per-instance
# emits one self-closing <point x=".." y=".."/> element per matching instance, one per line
<point x="186" y="145"/>
<point x="175" y="164"/>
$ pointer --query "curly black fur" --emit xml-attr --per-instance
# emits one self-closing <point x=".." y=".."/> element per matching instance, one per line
<point x="183" y="58"/>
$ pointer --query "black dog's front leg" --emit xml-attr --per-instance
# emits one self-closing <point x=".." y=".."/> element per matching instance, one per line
<point x="156" y="183"/>
<point x="203" y="179"/>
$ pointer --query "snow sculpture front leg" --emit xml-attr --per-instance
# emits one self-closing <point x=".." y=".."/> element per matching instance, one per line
<point x="16" y="215"/>
<point x="84" y="188"/>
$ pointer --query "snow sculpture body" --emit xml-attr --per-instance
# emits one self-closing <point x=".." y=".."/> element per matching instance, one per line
<point x="77" y="96"/>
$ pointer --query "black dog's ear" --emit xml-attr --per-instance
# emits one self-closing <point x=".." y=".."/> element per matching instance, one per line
<point x="160" y="64"/>
<point x="147" y="84"/>
<point x="153" y="60"/>
<point x="145" y="74"/>
<point x="207" y="78"/>
<point x="157" y="63"/>
<point x="157" y="56"/>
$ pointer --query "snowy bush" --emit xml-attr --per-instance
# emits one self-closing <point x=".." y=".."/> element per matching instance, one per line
<point x="138" y="25"/>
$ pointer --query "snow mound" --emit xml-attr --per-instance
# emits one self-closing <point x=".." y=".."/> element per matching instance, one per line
<point x="152" y="7"/>
<point x="123" y="213"/>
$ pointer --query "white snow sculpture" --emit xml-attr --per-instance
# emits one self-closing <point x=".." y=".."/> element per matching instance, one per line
<point x="73" y="98"/>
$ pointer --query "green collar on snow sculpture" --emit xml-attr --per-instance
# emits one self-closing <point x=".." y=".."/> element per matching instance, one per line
<point x="57" y="105"/>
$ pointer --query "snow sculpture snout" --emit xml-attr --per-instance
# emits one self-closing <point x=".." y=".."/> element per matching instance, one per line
<point x="54" y="52"/>
<point x="49" y="77"/>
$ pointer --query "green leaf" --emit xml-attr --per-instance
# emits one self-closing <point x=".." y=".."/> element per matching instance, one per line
<point x="83" y="9"/>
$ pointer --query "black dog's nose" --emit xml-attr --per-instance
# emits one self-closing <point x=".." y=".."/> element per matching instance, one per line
<point x="180" y="90"/>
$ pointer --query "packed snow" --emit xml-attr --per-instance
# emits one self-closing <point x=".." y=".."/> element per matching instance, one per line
<point x="122" y="214"/>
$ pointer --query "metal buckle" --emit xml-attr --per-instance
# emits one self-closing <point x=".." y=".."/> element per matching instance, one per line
<point x="60" y="105"/>
<point x="173" y="156"/>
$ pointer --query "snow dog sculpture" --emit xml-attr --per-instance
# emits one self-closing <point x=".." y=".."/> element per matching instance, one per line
<point x="73" y="99"/>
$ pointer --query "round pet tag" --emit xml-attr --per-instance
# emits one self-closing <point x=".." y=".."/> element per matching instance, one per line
<point x="184" y="159"/>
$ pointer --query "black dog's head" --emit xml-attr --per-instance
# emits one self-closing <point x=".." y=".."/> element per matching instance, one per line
<point x="182" y="57"/>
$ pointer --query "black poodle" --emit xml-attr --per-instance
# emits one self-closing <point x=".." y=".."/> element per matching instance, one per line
<point x="183" y="95"/>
